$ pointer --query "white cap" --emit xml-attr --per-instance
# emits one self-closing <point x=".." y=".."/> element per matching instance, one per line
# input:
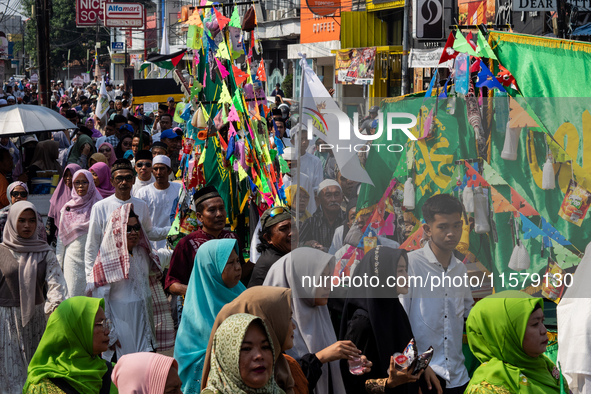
<point x="327" y="183"/>
<point x="10" y="98"/>
<point x="161" y="159"/>
<point x="297" y="128"/>
<point x="288" y="153"/>
<point x="3" y="102"/>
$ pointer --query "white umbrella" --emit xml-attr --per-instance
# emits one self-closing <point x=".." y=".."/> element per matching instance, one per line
<point x="26" y="119"/>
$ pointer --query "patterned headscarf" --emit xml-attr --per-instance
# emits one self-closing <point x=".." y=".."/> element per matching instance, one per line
<point x="224" y="377"/>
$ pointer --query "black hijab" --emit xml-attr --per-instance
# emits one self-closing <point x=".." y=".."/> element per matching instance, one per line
<point x="119" y="152"/>
<point x="390" y="329"/>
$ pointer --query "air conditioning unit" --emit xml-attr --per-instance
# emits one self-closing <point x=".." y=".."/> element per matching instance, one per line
<point x="272" y="15"/>
<point x="293" y="13"/>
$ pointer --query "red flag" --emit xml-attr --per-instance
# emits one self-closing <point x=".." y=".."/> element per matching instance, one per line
<point x="261" y="75"/>
<point x="469" y="39"/>
<point x="239" y="75"/>
<point x="448" y="51"/>
<point x="222" y="20"/>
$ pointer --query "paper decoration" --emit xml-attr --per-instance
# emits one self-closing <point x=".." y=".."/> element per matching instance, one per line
<point x="500" y="203"/>
<point x="474" y="178"/>
<point x="222" y="20"/>
<point x="205" y="114"/>
<point x="521" y="205"/>
<point x="235" y="19"/>
<point x="236" y="40"/>
<point x="388" y="228"/>
<point x="483" y="48"/>
<point x="431" y="84"/>
<point x="565" y="257"/>
<point x="211" y="44"/>
<point x="223" y="72"/>
<point x="239" y="75"/>
<point x="475" y="67"/>
<point x="225" y="97"/>
<point x="575" y="204"/>
<point x="462" y="75"/>
<point x="196" y="88"/>
<point x="529" y="229"/>
<point x="551" y="232"/>
<point x="195" y="20"/>
<point x="401" y="168"/>
<point x="448" y="51"/>
<point x="241" y="173"/>
<point x="222" y="51"/>
<point x="491" y="175"/>
<point x="237" y="101"/>
<point x="233" y="115"/>
<point x="413" y="242"/>
<point x="485" y="78"/>
<point x="204" y="77"/>
<point x="519" y="117"/>
<point x="462" y="45"/>
<point x="193" y="37"/>
<point x="470" y="41"/>
<point x="261" y="74"/>
<point x="506" y="78"/>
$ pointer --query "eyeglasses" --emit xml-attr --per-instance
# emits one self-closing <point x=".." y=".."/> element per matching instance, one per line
<point x="137" y="228"/>
<point x="19" y="194"/>
<point x="105" y="325"/>
<point x="80" y="183"/>
<point x="120" y="179"/>
<point x="105" y="150"/>
<point x="143" y="163"/>
<point x="277" y="211"/>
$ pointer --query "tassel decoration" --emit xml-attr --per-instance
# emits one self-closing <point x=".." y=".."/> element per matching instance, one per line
<point x="481" y="225"/>
<point x="409" y="195"/>
<point x="519" y="258"/>
<point x="511" y="143"/>
<point x="468" y="199"/>
<point x="548" y="179"/>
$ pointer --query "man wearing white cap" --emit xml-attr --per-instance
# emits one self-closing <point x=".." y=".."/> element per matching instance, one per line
<point x="318" y="231"/>
<point x="160" y="196"/>
<point x="309" y="164"/>
<point x="291" y="177"/>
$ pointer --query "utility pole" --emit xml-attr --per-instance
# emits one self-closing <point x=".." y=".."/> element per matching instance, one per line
<point x="43" y="51"/>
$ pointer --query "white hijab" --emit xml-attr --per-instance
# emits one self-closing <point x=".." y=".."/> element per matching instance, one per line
<point x="574" y="326"/>
<point x="314" y="330"/>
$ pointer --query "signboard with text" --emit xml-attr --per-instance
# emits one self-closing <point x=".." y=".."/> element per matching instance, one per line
<point x="87" y="12"/>
<point x="124" y="15"/>
<point x="428" y="23"/>
<point x="117" y="46"/>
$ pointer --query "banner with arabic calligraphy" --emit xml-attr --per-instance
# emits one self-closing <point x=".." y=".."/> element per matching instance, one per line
<point x="355" y="66"/>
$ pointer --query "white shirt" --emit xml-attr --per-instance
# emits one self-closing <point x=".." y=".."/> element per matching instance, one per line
<point x="160" y="205"/>
<point x="139" y="184"/>
<point x="100" y="214"/>
<point x="306" y="183"/>
<point x="437" y="316"/>
<point x="311" y="166"/>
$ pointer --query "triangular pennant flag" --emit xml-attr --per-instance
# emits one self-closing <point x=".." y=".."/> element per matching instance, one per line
<point x="222" y="51"/>
<point x="225" y="97"/>
<point x="443" y="93"/>
<point x="506" y="79"/>
<point x="431" y="84"/>
<point x="235" y="19"/>
<point x="223" y="72"/>
<point x="500" y="203"/>
<point x="222" y="20"/>
<point x="474" y="178"/>
<point x="448" y="51"/>
<point x="529" y="229"/>
<point x="483" y="48"/>
<point x="485" y="78"/>
<point x="475" y="67"/>
<point x="521" y="205"/>
<point x="388" y="228"/>
<point x="471" y="42"/>
<point x="413" y="242"/>
<point x="233" y="115"/>
<point x="553" y="233"/>
<point x="261" y="74"/>
<point x="237" y="100"/>
<point x="461" y="45"/>
<point x="518" y="116"/>
<point x="239" y="75"/>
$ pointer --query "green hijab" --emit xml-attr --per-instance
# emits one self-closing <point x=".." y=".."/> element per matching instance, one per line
<point x="224" y="376"/>
<point x="496" y="328"/>
<point x="65" y="350"/>
<point x="77" y="148"/>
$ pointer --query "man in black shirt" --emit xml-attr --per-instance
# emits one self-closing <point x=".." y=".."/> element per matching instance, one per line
<point x="278" y="91"/>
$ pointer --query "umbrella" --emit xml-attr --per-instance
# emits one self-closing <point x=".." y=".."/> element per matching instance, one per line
<point x="23" y="119"/>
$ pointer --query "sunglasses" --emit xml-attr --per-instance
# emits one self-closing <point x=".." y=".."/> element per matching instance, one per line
<point x="104" y="150"/>
<point x="143" y="163"/>
<point x="137" y="228"/>
<point x="120" y="179"/>
<point x="278" y="211"/>
<point x="19" y="194"/>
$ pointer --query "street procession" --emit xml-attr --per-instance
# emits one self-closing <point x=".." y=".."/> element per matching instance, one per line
<point x="319" y="196"/>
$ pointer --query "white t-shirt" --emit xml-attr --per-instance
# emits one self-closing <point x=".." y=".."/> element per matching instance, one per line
<point x="159" y="205"/>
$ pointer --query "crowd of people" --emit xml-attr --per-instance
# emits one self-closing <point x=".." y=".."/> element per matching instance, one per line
<point x="90" y="300"/>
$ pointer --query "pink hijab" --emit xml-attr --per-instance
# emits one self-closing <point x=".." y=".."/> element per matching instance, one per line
<point x="142" y="373"/>
<point x="76" y="212"/>
<point x="61" y="196"/>
<point x="113" y="156"/>
<point x="104" y="175"/>
<point x="95" y="132"/>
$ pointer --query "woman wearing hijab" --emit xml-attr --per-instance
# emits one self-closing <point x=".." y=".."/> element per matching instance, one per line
<point x="44" y="159"/>
<point x="214" y="282"/>
<point x="73" y="230"/>
<point x="273" y="306"/>
<point x="147" y="373"/>
<point x="68" y="359"/>
<point x="127" y="275"/>
<point x="123" y="146"/>
<point x="102" y="179"/>
<point x="506" y="333"/>
<point x="95" y="133"/>
<point x="97" y="158"/>
<point x="61" y="195"/>
<point x="82" y="149"/>
<point x="315" y="341"/>
<point x="239" y="368"/>
<point x="107" y="149"/>
<point x="290" y="195"/>
<point x="18" y="191"/>
<point x="27" y="267"/>
<point x="375" y="321"/>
